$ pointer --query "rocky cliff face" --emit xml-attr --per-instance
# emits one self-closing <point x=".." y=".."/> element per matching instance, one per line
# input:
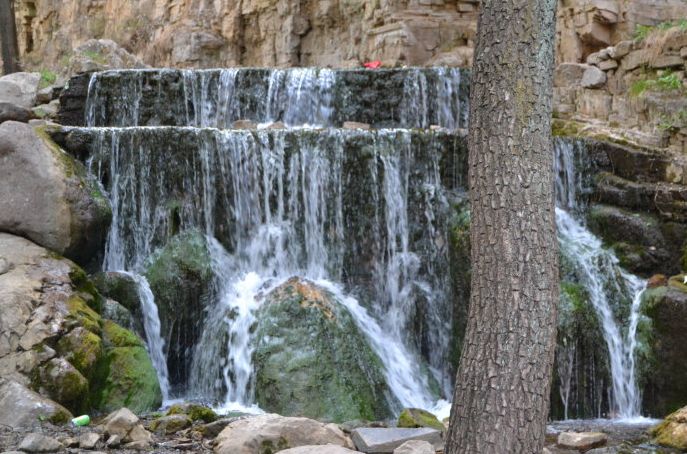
<point x="283" y="33"/>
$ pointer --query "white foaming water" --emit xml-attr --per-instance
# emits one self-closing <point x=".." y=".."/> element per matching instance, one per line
<point x="608" y="285"/>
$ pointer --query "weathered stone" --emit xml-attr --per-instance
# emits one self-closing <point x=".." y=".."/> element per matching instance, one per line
<point x="194" y="411"/>
<point x="608" y="65"/>
<point x="20" y="407"/>
<point x="320" y="449"/>
<point x="99" y="55"/>
<point x="379" y="441"/>
<point x="89" y="440"/>
<point x="19" y="89"/>
<point x="593" y="103"/>
<point x="355" y="125"/>
<point x="63" y="383"/>
<point x="620" y="50"/>
<point x="672" y="432"/>
<point x="125" y="424"/>
<point x="50" y="199"/>
<point x="170" y="424"/>
<point x="257" y="434"/>
<point x="12" y="112"/>
<point x="683" y="52"/>
<point x="569" y="74"/>
<point x="634" y="60"/>
<point x="36" y="442"/>
<point x="113" y="441"/>
<point x="211" y="430"/>
<point x="582" y="441"/>
<point x="415" y="447"/>
<point x="244" y="124"/>
<point x="593" y="78"/>
<point x="667" y="61"/>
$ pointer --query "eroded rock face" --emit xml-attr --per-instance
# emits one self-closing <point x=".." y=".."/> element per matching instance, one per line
<point x="20" y="407"/>
<point x="311" y="359"/>
<point x="47" y="196"/>
<point x="54" y="341"/>
<point x="272" y="433"/>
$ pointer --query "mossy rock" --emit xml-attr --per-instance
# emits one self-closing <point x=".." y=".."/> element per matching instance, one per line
<point x="64" y="384"/>
<point x="80" y="314"/>
<point x="116" y="336"/>
<point x="120" y="287"/>
<point x="82" y="349"/>
<point x="180" y="275"/>
<point x="171" y="424"/>
<point x="119" y="314"/>
<point x="672" y="432"/>
<point x="126" y="378"/>
<point x="194" y="411"/>
<point x="415" y="417"/>
<point x="312" y="360"/>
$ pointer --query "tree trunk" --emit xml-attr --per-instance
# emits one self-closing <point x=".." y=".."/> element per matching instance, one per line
<point x="502" y="389"/>
<point x="8" y="38"/>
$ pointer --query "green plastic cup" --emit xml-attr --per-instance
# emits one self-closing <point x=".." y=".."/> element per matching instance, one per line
<point x="82" y="420"/>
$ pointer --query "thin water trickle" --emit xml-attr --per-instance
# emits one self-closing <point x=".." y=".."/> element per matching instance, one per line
<point x="608" y="285"/>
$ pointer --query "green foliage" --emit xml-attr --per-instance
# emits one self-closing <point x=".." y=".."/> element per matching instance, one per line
<point x="48" y="78"/>
<point x="668" y="81"/>
<point x="95" y="56"/>
<point x="674" y="121"/>
<point x="642" y="32"/>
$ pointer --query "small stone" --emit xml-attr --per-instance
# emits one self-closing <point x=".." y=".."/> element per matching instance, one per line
<point x="667" y="61"/>
<point x="35" y="442"/>
<point x="45" y="95"/>
<point x="355" y="125"/>
<point x="386" y="440"/>
<point x="69" y="442"/>
<point x="170" y="424"/>
<point x="114" y="441"/>
<point x="683" y="52"/>
<point x="244" y="124"/>
<point x="608" y="65"/>
<point x="620" y="50"/>
<point x="12" y="112"/>
<point x="582" y="441"/>
<point x="415" y="447"/>
<point x="593" y="58"/>
<point x="657" y="280"/>
<point x="140" y="445"/>
<point x="593" y="77"/>
<point x="89" y="440"/>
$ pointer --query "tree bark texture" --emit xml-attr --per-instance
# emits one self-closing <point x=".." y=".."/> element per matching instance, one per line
<point x="8" y="38"/>
<point x="501" y="399"/>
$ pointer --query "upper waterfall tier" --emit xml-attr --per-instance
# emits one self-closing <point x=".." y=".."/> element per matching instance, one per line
<point x="410" y="98"/>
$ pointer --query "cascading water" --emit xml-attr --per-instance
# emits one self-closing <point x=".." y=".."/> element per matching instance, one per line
<point x="610" y="289"/>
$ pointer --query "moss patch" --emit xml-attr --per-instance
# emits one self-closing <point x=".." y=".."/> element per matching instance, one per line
<point x="415" y="417"/>
<point x="79" y="314"/>
<point x="116" y="336"/>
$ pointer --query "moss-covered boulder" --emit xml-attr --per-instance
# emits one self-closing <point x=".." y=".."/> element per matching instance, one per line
<point x="62" y="382"/>
<point x="82" y="348"/>
<point x="179" y="275"/>
<point x="672" y="432"/>
<point x="312" y="360"/>
<point x="125" y="377"/>
<point x="171" y="424"/>
<point x="195" y="412"/>
<point x="415" y="417"/>
<point x="120" y="287"/>
<point x="664" y="366"/>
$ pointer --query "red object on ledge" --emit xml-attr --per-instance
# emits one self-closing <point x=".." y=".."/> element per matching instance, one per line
<point x="373" y="64"/>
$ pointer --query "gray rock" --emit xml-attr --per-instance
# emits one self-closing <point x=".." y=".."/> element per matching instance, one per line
<point x="45" y="95"/>
<point x="569" y="75"/>
<point x="608" y="65"/>
<point x="49" y="198"/>
<point x="171" y="424"/>
<point x="245" y="435"/>
<point x="415" y="447"/>
<point x="20" y="407"/>
<point x="20" y="89"/>
<point x="126" y="425"/>
<point x="89" y="440"/>
<point x="212" y="429"/>
<point x="5" y="265"/>
<point x="12" y="112"/>
<point x="620" y="50"/>
<point x="244" y="124"/>
<point x="320" y="449"/>
<point x="382" y="441"/>
<point x="593" y="77"/>
<point x="36" y="442"/>
<point x="48" y="110"/>
<point x="582" y="441"/>
<point x="113" y="441"/>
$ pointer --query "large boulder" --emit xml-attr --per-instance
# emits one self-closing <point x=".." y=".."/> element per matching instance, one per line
<point x="179" y="275"/>
<point x="12" y="112"/>
<point x="20" y="89"/>
<point x="22" y="408"/>
<point x="47" y="196"/>
<point x="54" y="340"/>
<point x="272" y="433"/>
<point x="672" y="432"/>
<point x="312" y="360"/>
<point x="663" y="350"/>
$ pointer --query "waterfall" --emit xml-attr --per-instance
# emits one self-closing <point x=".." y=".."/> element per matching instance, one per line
<point x="609" y="287"/>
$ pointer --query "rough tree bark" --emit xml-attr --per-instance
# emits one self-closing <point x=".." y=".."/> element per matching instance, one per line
<point x="501" y="397"/>
<point x="8" y="38"/>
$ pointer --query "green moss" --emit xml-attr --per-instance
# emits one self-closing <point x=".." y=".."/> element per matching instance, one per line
<point x="565" y="128"/>
<point x="59" y="418"/>
<point x="119" y="287"/>
<point x="82" y="284"/>
<point x="80" y="314"/>
<point x="82" y="349"/>
<point x="194" y="411"/>
<point x="415" y="417"/>
<point x="270" y="447"/>
<point x="48" y="78"/>
<point x="116" y="336"/>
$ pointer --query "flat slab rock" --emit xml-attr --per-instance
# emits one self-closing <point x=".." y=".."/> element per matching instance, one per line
<point x="385" y="440"/>
<point x="582" y="441"/>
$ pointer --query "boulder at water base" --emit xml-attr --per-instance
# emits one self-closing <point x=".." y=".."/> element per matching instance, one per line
<point x="267" y="434"/>
<point x="54" y="341"/>
<point x="124" y="424"/>
<point x="582" y="441"/>
<point x="672" y="432"/>
<point x="312" y="360"/>
<point x="47" y="196"/>
<point x="22" y="408"/>
<point x="380" y="440"/>
<point x="20" y="89"/>
<point x="416" y="417"/>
